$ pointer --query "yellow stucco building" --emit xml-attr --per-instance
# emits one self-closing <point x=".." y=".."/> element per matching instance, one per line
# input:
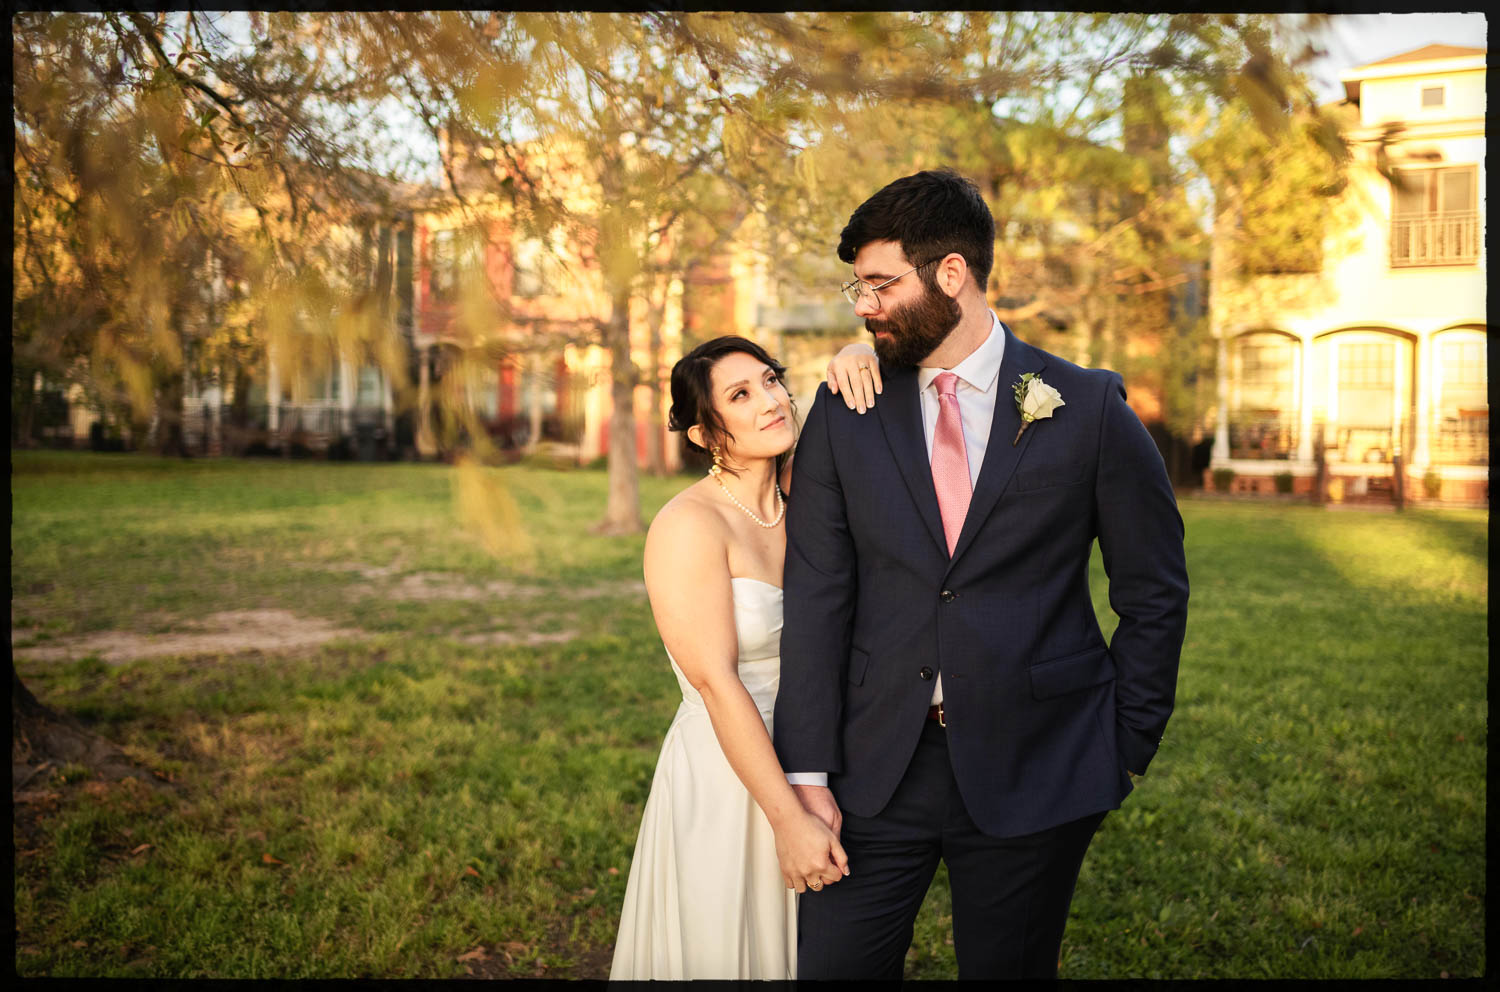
<point x="1379" y="359"/>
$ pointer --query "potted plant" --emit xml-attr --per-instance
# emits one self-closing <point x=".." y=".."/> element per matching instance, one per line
<point x="1432" y="484"/>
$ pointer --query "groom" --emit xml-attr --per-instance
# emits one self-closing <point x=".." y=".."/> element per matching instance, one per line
<point x="946" y="692"/>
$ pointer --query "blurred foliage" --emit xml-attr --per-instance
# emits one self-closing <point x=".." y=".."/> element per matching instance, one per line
<point x="197" y="194"/>
<point x="1277" y="191"/>
<point x="181" y="206"/>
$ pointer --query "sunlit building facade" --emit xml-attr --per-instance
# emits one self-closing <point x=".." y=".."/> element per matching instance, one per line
<point x="1377" y="360"/>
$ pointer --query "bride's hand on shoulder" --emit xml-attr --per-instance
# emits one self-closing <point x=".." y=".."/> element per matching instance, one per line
<point x="809" y="852"/>
<point x="854" y="374"/>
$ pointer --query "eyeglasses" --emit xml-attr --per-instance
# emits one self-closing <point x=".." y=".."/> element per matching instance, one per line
<point x="855" y="289"/>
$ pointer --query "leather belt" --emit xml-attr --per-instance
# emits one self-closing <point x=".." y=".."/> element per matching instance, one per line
<point x="936" y="713"/>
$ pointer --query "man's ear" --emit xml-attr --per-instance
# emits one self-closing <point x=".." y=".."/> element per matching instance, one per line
<point x="951" y="273"/>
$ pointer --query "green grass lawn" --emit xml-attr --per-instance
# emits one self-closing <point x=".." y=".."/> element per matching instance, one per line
<point x="440" y="795"/>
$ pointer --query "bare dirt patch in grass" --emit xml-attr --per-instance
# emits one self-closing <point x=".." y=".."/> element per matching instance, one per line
<point x="22" y="637"/>
<point x="447" y="585"/>
<point x="227" y="632"/>
<point x="506" y="638"/>
<point x="371" y="572"/>
<point x="427" y="586"/>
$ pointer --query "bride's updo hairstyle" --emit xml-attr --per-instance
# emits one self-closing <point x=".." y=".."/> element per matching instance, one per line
<point x="693" y="395"/>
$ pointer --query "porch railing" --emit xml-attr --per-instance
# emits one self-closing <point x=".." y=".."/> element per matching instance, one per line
<point x="1260" y="436"/>
<point x="1460" y="445"/>
<point x="1362" y="445"/>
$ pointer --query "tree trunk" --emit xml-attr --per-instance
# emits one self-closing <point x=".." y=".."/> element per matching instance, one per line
<point x="22" y="408"/>
<point x="238" y="429"/>
<point x="622" y="514"/>
<point x="1084" y="342"/>
<point x="655" y="457"/>
<point x="170" y="439"/>
<point x="42" y="739"/>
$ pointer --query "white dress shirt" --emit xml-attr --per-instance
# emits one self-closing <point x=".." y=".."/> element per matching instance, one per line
<point x="977" y="392"/>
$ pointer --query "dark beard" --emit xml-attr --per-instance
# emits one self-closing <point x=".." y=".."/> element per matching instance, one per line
<point x="916" y="329"/>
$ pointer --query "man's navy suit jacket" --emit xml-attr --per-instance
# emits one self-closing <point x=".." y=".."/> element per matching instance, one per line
<point x="1044" y="719"/>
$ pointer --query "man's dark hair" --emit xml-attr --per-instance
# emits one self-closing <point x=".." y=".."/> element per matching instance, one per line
<point x="929" y="214"/>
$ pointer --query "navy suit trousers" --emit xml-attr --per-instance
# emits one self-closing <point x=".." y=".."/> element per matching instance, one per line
<point x="1010" y="896"/>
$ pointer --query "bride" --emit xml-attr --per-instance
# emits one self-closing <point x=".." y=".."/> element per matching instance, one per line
<point x="725" y="846"/>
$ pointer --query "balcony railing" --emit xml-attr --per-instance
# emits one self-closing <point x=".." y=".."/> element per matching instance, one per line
<point x="1436" y="239"/>
<point x="1260" y="436"/>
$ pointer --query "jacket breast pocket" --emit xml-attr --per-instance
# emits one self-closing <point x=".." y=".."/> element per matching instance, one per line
<point x="1051" y="476"/>
<point x="859" y="661"/>
<point x="1071" y="672"/>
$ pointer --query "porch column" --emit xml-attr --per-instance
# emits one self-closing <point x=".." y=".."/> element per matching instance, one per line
<point x="425" y="441"/>
<point x="1425" y="376"/>
<point x="1304" y="400"/>
<point x="273" y="392"/>
<point x="596" y="410"/>
<point x="348" y="384"/>
<point x="387" y="402"/>
<point x="1221" y="431"/>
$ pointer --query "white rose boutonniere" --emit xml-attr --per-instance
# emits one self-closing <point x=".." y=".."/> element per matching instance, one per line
<point x="1036" y="400"/>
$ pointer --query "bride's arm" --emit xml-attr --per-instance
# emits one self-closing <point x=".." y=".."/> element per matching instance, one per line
<point x="687" y="580"/>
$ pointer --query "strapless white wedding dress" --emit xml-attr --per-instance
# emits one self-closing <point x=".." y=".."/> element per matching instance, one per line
<point x="705" y="897"/>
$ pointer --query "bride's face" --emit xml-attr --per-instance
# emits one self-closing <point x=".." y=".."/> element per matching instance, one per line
<point x="754" y="407"/>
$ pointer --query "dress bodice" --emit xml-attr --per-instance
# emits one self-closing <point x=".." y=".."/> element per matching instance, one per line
<point x="757" y="623"/>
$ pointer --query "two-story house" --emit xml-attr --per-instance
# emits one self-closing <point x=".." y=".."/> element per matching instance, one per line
<point x="1378" y="360"/>
<point x="519" y="316"/>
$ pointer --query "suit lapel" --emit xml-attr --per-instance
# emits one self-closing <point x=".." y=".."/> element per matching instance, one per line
<point x="900" y="416"/>
<point x="1000" y="456"/>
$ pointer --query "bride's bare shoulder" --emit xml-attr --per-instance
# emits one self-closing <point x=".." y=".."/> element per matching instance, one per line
<point x="688" y="536"/>
<point x="690" y="514"/>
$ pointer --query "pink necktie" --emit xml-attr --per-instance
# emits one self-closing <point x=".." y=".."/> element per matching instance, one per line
<point x="950" y="462"/>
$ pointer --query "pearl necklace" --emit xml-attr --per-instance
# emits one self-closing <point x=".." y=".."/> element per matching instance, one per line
<point x="780" y="504"/>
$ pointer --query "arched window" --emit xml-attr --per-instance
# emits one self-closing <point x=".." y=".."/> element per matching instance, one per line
<point x="1461" y="414"/>
<point x="1263" y="374"/>
<point x="1367" y="394"/>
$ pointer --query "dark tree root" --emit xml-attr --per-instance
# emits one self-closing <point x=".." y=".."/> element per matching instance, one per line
<point x="43" y="739"/>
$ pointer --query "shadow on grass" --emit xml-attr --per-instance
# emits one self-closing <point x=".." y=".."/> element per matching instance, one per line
<point x="1461" y="532"/>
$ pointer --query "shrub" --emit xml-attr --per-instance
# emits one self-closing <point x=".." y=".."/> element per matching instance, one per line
<point x="1432" y="484"/>
<point x="1283" y="482"/>
<point x="1223" y="479"/>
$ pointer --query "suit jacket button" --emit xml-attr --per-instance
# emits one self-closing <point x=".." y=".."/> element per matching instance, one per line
<point x="926" y="674"/>
<point x="947" y="595"/>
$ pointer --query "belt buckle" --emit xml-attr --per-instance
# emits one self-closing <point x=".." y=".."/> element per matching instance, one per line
<point x="942" y="721"/>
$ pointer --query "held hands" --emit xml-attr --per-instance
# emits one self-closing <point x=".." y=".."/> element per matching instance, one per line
<point x="810" y="855"/>
<point x="804" y="847"/>
<point x="818" y="800"/>
<point x="854" y="374"/>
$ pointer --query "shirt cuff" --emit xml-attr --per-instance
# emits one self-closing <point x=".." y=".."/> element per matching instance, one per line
<point x="807" y="778"/>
